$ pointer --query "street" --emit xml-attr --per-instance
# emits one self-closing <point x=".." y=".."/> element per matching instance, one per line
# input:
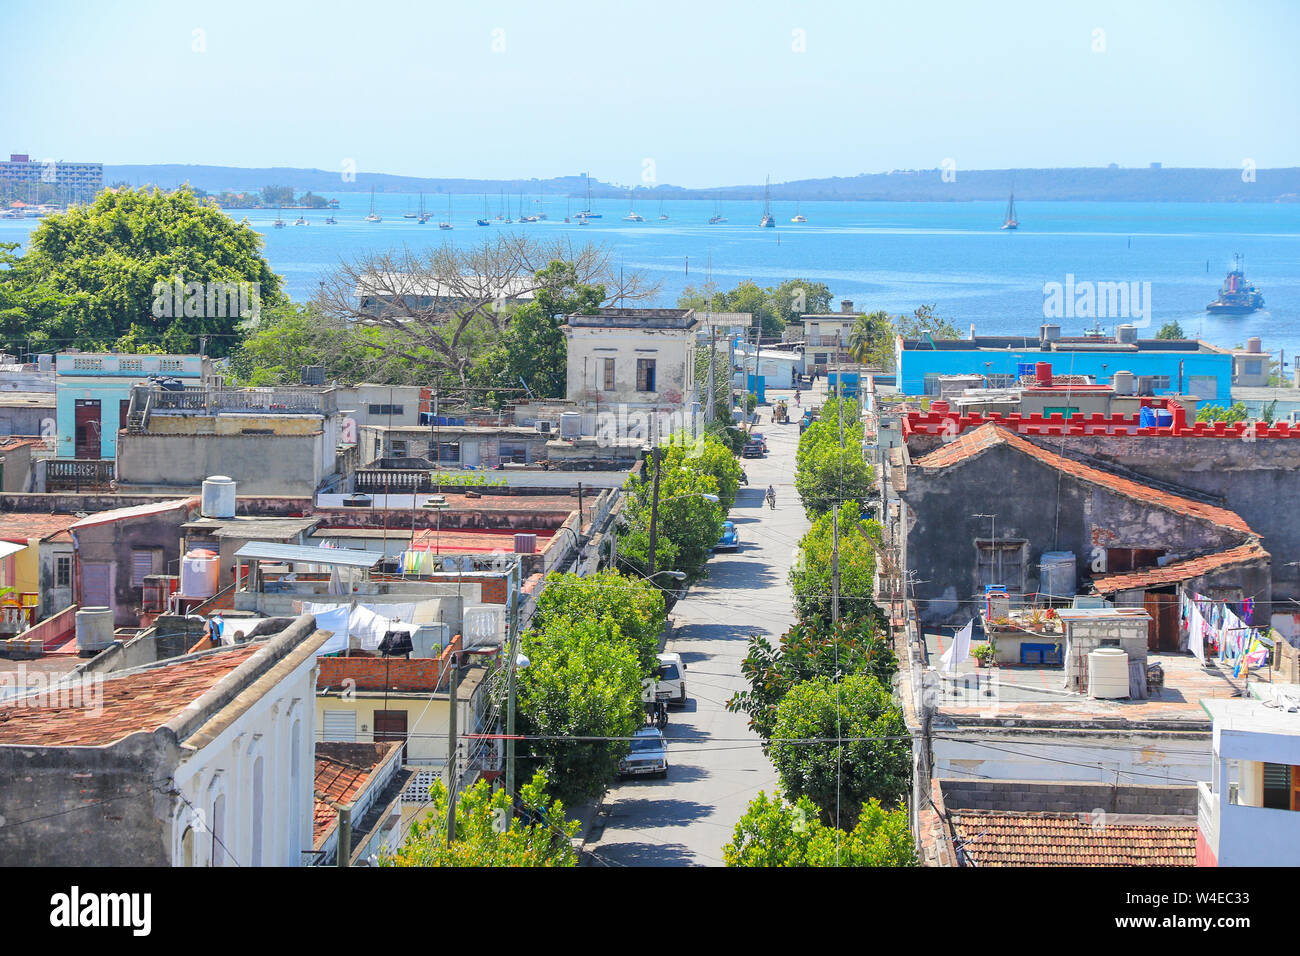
<point x="716" y="764"/>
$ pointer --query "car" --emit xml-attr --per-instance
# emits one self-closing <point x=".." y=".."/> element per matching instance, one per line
<point x="752" y="449"/>
<point x="730" y="540"/>
<point x="758" y="437"/>
<point x="648" y="756"/>
<point x="671" y="685"/>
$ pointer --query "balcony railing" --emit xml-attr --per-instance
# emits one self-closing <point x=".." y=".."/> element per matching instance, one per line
<point x="262" y="401"/>
<point x="1207" y="815"/>
<point x="79" y="474"/>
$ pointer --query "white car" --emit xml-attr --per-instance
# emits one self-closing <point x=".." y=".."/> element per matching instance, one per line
<point x="649" y="755"/>
<point x="671" y="684"/>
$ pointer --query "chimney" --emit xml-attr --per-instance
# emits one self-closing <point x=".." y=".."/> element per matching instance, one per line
<point x="846" y="306"/>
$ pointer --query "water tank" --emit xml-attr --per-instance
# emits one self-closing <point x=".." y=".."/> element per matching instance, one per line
<point x="570" y="425"/>
<point x="1049" y="333"/>
<point x="46" y="362"/>
<point x="1108" y="673"/>
<point x="200" y="570"/>
<point x="94" y="628"/>
<point x="1126" y="334"/>
<point x="1125" y="383"/>
<point x="218" y="497"/>
<point x="1043" y="374"/>
<point x="1253" y="344"/>
<point x="525" y="544"/>
<point x="1056" y="574"/>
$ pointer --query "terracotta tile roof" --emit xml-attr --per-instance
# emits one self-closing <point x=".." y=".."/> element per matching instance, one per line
<point x="972" y="443"/>
<point x="997" y="838"/>
<point x="21" y="526"/>
<point x="139" y="511"/>
<point x="133" y="703"/>
<point x="1176" y="571"/>
<point x="342" y="779"/>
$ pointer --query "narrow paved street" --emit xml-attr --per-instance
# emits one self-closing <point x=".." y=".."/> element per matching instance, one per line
<point x="716" y="765"/>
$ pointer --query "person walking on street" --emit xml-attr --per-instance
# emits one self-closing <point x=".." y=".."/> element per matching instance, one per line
<point x="771" y="497"/>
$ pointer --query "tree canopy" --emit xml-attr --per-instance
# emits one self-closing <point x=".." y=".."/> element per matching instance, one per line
<point x="776" y="833"/>
<point x="633" y="605"/>
<point x="811" y="574"/>
<point x="118" y="264"/>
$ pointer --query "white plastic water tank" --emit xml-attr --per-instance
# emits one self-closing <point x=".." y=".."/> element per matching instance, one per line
<point x="1125" y="383"/>
<point x="94" y="628"/>
<point x="1057" y="575"/>
<point x="1108" y="673"/>
<point x="218" y="497"/>
<point x="570" y="425"/>
<point x="1126" y="333"/>
<point x="200" y="571"/>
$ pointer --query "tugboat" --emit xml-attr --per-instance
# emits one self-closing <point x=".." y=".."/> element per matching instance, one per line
<point x="1237" y="297"/>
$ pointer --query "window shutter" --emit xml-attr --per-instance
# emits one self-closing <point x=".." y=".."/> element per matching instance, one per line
<point x="340" y="725"/>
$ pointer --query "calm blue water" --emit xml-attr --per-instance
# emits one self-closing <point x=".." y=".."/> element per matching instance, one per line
<point x="892" y="256"/>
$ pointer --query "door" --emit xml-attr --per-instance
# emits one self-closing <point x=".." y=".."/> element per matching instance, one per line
<point x="97" y="584"/>
<point x="391" y="725"/>
<point x="88" y="422"/>
<point x="1163" y="633"/>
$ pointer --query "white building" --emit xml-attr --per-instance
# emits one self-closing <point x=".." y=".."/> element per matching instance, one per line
<point x="1256" y="821"/>
<point x="632" y="363"/>
<point x="201" y="760"/>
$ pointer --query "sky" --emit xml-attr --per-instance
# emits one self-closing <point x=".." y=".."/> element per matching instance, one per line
<point x="653" y="91"/>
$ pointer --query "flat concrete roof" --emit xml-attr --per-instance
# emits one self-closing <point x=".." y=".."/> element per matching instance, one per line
<point x="1254" y="715"/>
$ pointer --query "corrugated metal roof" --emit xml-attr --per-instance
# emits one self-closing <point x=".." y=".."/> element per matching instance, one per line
<point x="332" y="557"/>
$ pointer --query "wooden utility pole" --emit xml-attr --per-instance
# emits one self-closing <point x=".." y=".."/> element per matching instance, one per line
<point x="654" y="509"/>
<point x="453" y="680"/>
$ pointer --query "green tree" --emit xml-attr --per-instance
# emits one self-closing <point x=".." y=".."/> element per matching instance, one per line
<point x="1268" y="412"/>
<point x="30" y="307"/>
<point x="828" y="469"/>
<point x="775" y="833"/>
<point x="810" y="576"/>
<point x="1171" y="330"/>
<point x="583" y="680"/>
<point x="633" y="605"/>
<point x="117" y="261"/>
<point x="923" y="321"/>
<point x="277" y="195"/>
<point x="487" y="831"/>
<point x="869" y="334"/>
<point x="1236" y="412"/>
<point x="795" y="298"/>
<point x="807" y="651"/>
<point x="706" y="456"/>
<point x="689" y="524"/>
<point x="842" y="744"/>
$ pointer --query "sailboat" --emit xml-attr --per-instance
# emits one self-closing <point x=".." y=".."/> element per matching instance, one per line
<point x="522" y="217"/>
<point x="447" y="224"/>
<point x="631" y="212"/>
<point x="501" y="216"/>
<point x="484" y="220"/>
<point x="331" y="221"/>
<point x="662" y="215"/>
<point x="279" y="223"/>
<point x="798" y="216"/>
<point x="587" y="213"/>
<point x="1010" y="222"/>
<point x="717" y="217"/>
<point x="373" y="216"/>
<point x="768" y="220"/>
<point x="424" y="213"/>
<point x="302" y="221"/>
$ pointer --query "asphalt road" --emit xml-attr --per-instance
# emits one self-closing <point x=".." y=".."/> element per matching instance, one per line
<point x="716" y="766"/>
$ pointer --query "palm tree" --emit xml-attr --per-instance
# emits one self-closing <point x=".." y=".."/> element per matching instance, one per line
<point x="867" y="333"/>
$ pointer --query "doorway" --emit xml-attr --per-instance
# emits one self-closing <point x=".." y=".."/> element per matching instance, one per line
<point x="88" y="425"/>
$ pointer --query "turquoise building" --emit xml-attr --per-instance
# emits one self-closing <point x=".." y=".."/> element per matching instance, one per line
<point x="93" y="393"/>
<point x="1169" y="366"/>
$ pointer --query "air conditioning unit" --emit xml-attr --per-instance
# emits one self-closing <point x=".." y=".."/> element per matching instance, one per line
<point x="545" y="428"/>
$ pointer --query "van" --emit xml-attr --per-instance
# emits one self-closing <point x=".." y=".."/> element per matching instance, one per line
<point x="671" y="684"/>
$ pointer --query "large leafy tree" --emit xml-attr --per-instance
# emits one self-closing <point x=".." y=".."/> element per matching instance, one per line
<point x="706" y="456"/>
<point x="870" y="333"/>
<point x="1236" y="412"/>
<point x="689" y="525"/>
<point x="1171" y="330"/>
<point x="774" y="307"/>
<point x="107" y="258"/>
<point x="829" y="466"/>
<point x="776" y="833"/>
<point x="30" y="307"/>
<point x="634" y="606"/>
<point x="583" y="681"/>
<point x="811" y="574"/>
<point x="841" y="744"/>
<point x="487" y="831"/>
<point x="807" y="651"/>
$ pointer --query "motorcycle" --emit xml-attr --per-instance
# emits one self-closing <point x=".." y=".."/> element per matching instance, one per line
<point x="744" y="478"/>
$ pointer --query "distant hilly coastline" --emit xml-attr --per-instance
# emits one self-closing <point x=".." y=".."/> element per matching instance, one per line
<point x="1099" y="184"/>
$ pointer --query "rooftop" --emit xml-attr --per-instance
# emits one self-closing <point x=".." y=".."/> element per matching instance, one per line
<point x="1176" y="571"/>
<point x="974" y="443"/>
<point x="1002" y="838"/>
<point x="662" y="319"/>
<point x="22" y="526"/>
<point x="249" y="526"/>
<point x="343" y="771"/>
<point x="139" y="511"/>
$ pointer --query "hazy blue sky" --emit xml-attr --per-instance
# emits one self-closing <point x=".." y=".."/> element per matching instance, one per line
<point x="712" y="92"/>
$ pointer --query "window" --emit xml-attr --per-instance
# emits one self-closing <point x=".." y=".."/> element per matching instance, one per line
<point x="386" y="409"/>
<point x="609" y="375"/>
<point x="398" y="449"/>
<point x="446" y="452"/>
<point x="1277" y="786"/>
<point x="514" y="453"/>
<point x="144" y="561"/>
<point x="1065" y="411"/>
<point x="1000" y="380"/>
<point x="63" y="571"/>
<point x="340" y="725"/>
<point x="1000" y="562"/>
<point x="1158" y="381"/>
<point x="645" y="375"/>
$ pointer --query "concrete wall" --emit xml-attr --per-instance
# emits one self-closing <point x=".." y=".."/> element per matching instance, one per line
<point x="26" y="419"/>
<point x="113" y="542"/>
<point x="672" y="349"/>
<point x="261" y="464"/>
<point x="1053" y="512"/>
<point x="1031" y="796"/>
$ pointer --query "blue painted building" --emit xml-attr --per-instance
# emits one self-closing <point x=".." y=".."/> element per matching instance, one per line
<point x="93" y="392"/>
<point x="1174" y="366"/>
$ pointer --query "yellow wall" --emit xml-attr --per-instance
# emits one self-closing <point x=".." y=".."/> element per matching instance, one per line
<point x="426" y="721"/>
<point x="232" y="424"/>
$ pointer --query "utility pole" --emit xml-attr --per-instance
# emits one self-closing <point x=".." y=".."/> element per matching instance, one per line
<point x="654" y="509"/>
<point x="345" y="836"/>
<point x="835" y="563"/>
<point x="512" y="642"/>
<point x="453" y="679"/>
<point x="713" y="358"/>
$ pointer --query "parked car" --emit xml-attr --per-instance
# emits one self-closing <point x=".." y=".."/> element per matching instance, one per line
<point x="730" y="540"/>
<point x="671" y="684"/>
<point x="758" y="436"/>
<point x="649" y="754"/>
<point x="752" y="449"/>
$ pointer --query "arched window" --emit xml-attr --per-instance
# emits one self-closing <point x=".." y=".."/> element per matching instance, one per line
<point x="187" y="847"/>
<point x="218" y="824"/>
